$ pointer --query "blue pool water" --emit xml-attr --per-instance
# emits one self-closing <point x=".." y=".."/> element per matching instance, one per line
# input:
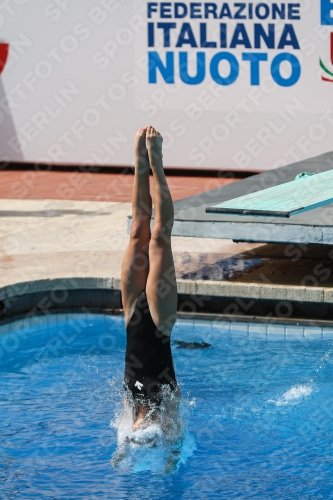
<point x="256" y="416"/>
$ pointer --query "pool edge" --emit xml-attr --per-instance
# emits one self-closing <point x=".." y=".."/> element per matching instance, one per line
<point x="212" y="301"/>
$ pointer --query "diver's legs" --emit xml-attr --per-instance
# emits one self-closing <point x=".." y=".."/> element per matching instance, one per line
<point x="161" y="282"/>
<point x="135" y="264"/>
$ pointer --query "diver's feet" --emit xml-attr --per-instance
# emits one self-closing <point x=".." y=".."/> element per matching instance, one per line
<point x="140" y="148"/>
<point x="154" y="145"/>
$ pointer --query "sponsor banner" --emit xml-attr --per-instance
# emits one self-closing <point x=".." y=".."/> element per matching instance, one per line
<point x="230" y="85"/>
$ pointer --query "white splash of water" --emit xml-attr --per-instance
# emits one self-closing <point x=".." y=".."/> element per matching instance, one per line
<point x="293" y="395"/>
<point x="161" y="447"/>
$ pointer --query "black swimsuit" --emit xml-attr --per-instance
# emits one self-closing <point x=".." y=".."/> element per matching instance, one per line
<point x="148" y="360"/>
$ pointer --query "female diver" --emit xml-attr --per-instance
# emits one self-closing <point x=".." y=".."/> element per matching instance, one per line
<point x="148" y="287"/>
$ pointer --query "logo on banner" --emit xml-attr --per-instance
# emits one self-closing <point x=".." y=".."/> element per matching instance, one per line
<point x="212" y="35"/>
<point x="326" y="18"/>
<point x="4" y="47"/>
<point x="322" y="65"/>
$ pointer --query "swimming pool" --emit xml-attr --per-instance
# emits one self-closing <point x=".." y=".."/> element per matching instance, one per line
<point x="256" y="409"/>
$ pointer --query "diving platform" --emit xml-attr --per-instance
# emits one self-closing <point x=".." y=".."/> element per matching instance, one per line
<point x="299" y="213"/>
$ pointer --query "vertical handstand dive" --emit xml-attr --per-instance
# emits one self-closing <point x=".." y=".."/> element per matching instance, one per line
<point x="148" y="287"/>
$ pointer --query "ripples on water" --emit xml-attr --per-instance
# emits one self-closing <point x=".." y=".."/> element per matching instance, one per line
<point x="256" y="417"/>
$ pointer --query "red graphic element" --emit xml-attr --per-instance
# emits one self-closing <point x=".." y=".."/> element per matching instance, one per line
<point x="326" y="79"/>
<point x="4" y="47"/>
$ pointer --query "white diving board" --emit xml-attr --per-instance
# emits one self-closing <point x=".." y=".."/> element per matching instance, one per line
<point x="306" y="192"/>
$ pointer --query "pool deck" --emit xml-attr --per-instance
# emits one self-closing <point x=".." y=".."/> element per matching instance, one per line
<point x="67" y="230"/>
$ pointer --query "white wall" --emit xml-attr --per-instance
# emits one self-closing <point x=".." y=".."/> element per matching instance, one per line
<point x="76" y="86"/>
